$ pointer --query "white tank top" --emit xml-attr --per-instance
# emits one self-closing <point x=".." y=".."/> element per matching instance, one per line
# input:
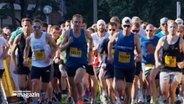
<point x="98" y="40"/>
<point x="40" y="50"/>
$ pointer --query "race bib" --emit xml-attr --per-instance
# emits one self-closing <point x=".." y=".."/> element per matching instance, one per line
<point x="124" y="57"/>
<point x="75" y="52"/>
<point x="149" y="67"/>
<point x="28" y="62"/>
<point x="39" y="55"/>
<point x="170" y="61"/>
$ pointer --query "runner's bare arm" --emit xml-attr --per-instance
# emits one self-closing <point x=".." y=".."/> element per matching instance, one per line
<point x="157" y="52"/>
<point x="181" y="63"/>
<point x="90" y="41"/>
<point x="182" y="45"/>
<point x="138" y="48"/>
<point x="66" y="41"/>
<point x="5" y="49"/>
<point x="14" y="47"/>
<point x="110" y="44"/>
<point x="52" y="43"/>
<point x="27" y="47"/>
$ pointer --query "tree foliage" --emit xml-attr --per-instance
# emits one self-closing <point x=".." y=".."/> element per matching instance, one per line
<point x="35" y="12"/>
<point x="148" y="10"/>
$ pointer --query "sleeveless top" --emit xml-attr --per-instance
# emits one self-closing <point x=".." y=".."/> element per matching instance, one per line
<point x="124" y="52"/>
<point x="171" y="55"/>
<point x="76" y="53"/>
<point x="40" y="50"/>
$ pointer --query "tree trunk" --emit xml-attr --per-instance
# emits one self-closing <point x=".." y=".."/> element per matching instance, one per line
<point x="23" y="5"/>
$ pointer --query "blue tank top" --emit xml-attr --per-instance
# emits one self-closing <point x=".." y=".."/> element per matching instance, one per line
<point x="124" y="52"/>
<point x="148" y="47"/>
<point x="76" y="53"/>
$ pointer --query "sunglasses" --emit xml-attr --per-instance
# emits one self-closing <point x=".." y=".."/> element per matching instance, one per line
<point x="136" y="31"/>
<point x="126" y="26"/>
<point x="36" y="26"/>
<point x="149" y="30"/>
<point x="111" y="29"/>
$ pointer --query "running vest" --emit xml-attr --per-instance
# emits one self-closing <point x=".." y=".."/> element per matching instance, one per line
<point x="76" y="53"/>
<point x="21" y="46"/>
<point x="171" y="55"/>
<point x="40" y="50"/>
<point x="124" y="52"/>
<point x="148" y="47"/>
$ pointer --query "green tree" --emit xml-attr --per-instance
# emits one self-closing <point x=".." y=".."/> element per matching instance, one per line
<point x="35" y="12"/>
<point x="83" y="7"/>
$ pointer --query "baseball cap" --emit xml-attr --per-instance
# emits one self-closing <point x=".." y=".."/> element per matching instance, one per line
<point x="126" y="20"/>
<point x="179" y="21"/>
<point x="163" y="20"/>
<point x="101" y="21"/>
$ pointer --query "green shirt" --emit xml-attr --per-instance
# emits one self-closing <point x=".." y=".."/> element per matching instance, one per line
<point x="15" y="33"/>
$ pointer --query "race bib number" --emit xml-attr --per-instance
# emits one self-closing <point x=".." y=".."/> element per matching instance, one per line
<point x="149" y="67"/>
<point x="39" y="55"/>
<point x="170" y="61"/>
<point x="124" y="57"/>
<point x="75" y="52"/>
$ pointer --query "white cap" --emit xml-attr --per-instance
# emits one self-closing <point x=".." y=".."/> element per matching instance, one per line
<point x="179" y="21"/>
<point x="101" y="21"/>
<point x="126" y="20"/>
<point x="163" y="20"/>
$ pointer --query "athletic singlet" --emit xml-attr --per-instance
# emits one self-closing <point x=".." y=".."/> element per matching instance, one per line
<point x="124" y="52"/>
<point x="76" y="53"/>
<point x="148" y="48"/>
<point x="40" y="50"/>
<point x="21" y="46"/>
<point x="171" y="55"/>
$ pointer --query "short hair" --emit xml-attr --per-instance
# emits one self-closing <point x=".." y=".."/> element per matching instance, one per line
<point x="55" y="27"/>
<point x="171" y="21"/>
<point x="26" y="19"/>
<point x="44" y="24"/>
<point x="77" y="16"/>
<point x="68" y="21"/>
<point x="62" y="25"/>
<point x="137" y="25"/>
<point x="93" y="30"/>
<point x="181" y="26"/>
<point x="115" y="19"/>
<point x="112" y="24"/>
<point x="37" y="20"/>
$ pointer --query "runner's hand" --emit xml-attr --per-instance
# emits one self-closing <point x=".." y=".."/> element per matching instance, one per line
<point x="57" y="60"/>
<point x="180" y="65"/>
<point x="109" y="59"/>
<point x="70" y="40"/>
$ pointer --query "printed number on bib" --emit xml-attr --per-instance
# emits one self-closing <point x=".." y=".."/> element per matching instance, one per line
<point x="39" y="55"/>
<point x="124" y="57"/>
<point x="75" y="52"/>
<point x="149" y="66"/>
<point x="170" y="61"/>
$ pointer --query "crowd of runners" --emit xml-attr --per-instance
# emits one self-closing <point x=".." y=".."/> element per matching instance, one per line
<point x="126" y="61"/>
